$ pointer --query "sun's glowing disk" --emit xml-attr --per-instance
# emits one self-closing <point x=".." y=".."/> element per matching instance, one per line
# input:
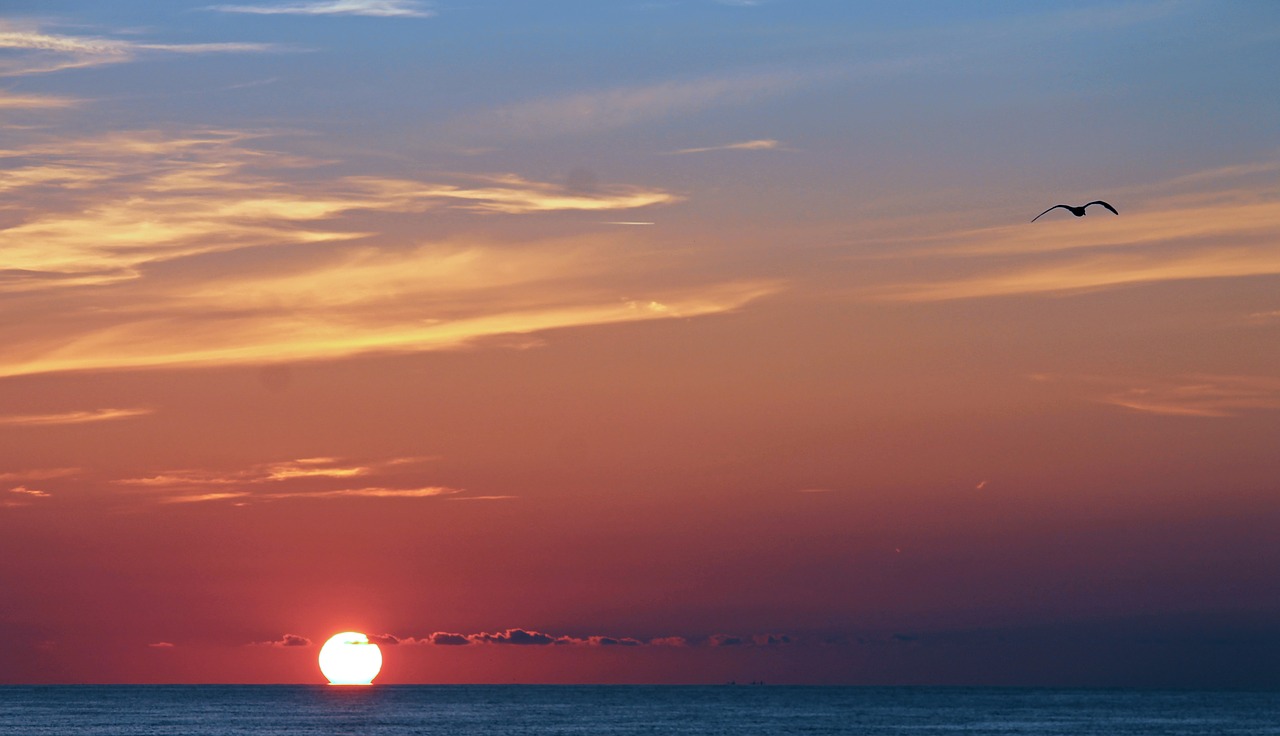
<point x="350" y="658"/>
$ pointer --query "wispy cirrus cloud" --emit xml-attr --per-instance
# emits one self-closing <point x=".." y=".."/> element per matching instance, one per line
<point x="367" y="492"/>
<point x="11" y="101"/>
<point x="38" y="474"/>
<point x="1203" y="395"/>
<point x="1210" y="396"/>
<point x="157" y="197"/>
<point x="373" y="8"/>
<point x="275" y="472"/>
<point x="1215" y="224"/>
<point x="513" y="195"/>
<point x="1264" y="317"/>
<point x="269" y="473"/>
<point x="607" y="109"/>
<point x="295" y="263"/>
<point x="34" y="51"/>
<point x="306" y="478"/>
<point x="70" y="417"/>
<point x="763" y="144"/>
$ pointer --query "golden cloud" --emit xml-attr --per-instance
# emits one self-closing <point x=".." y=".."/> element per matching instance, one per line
<point x="274" y="472"/>
<point x="370" y="492"/>
<point x="116" y="222"/>
<point x="69" y="417"/>
<point x="156" y="198"/>
<point x="304" y="478"/>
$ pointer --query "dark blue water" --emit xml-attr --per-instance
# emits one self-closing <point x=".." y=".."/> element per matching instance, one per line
<point x="614" y="710"/>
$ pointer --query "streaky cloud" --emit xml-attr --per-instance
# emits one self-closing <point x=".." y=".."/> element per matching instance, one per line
<point x="1206" y="396"/>
<point x="1191" y="395"/>
<point x="205" y="497"/>
<point x="127" y="213"/>
<point x="368" y="492"/>
<point x="70" y="417"/>
<point x="10" y="101"/>
<point x="1215" y="224"/>
<point x="209" y="48"/>
<point x="619" y="107"/>
<point x="277" y="473"/>
<point x="38" y="474"/>
<point x="373" y="8"/>
<point x="513" y="194"/>
<point x="292" y="480"/>
<point x="763" y="144"/>
<point x="133" y="206"/>
<point x="35" y="52"/>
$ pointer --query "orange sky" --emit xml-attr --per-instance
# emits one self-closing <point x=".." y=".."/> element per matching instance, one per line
<point x="744" y="363"/>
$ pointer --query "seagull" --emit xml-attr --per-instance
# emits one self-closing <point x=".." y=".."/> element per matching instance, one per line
<point x="1077" y="211"/>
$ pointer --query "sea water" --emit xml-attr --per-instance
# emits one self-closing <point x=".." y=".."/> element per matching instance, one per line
<point x="625" y="710"/>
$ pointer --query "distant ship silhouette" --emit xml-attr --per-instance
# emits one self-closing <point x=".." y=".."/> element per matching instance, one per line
<point x="1077" y="211"/>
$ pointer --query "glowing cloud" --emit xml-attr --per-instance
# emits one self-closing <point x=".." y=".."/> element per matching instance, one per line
<point x="134" y="204"/>
<point x="283" y="481"/>
<point x="70" y="417"/>
<point x="511" y="194"/>
<point x="277" y="472"/>
<point x="124" y="212"/>
<point x="22" y="496"/>
<point x="370" y="492"/>
<point x="32" y="492"/>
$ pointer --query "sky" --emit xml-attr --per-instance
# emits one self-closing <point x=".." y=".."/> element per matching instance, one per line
<point x="678" y="341"/>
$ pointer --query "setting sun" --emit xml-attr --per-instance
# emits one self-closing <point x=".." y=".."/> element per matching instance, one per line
<point x="350" y="658"/>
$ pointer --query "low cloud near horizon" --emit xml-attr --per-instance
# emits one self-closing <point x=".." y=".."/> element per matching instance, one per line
<point x="528" y="637"/>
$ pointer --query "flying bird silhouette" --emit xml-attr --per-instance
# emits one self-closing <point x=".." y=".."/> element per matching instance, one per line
<point x="1077" y="211"/>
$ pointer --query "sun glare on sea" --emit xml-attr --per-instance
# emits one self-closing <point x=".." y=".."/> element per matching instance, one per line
<point x="350" y="658"/>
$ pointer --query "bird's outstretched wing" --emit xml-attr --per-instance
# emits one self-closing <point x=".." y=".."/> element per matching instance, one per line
<point x="1051" y="209"/>
<point x="1104" y="204"/>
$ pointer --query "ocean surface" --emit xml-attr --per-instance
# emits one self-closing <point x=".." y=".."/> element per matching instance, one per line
<point x="613" y="710"/>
